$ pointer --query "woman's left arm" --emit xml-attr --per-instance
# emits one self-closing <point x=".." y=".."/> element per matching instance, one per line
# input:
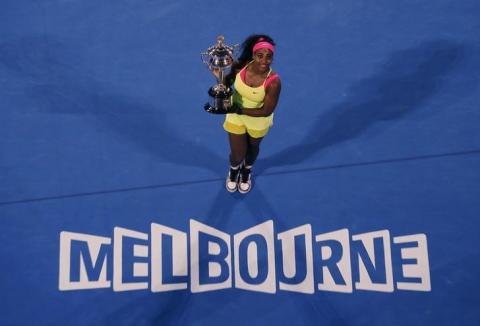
<point x="272" y="93"/>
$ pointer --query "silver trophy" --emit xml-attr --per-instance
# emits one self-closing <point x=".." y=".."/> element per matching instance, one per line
<point x="219" y="59"/>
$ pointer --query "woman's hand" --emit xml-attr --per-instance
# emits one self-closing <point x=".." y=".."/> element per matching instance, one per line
<point x="235" y="108"/>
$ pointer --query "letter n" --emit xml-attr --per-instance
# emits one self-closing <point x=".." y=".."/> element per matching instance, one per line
<point x="374" y="261"/>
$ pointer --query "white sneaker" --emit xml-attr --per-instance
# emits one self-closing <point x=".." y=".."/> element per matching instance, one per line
<point x="231" y="183"/>
<point x="245" y="182"/>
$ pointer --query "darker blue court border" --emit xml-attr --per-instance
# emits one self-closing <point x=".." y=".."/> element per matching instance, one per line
<point x="194" y="182"/>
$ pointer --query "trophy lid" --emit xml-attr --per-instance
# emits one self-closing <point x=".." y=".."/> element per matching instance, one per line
<point x="221" y="55"/>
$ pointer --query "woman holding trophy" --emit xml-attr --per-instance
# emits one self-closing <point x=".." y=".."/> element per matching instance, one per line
<point x="255" y="96"/>
<point x="248" y="96"/>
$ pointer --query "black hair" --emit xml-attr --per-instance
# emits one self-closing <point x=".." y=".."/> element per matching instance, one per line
<point x="247" y="54"/>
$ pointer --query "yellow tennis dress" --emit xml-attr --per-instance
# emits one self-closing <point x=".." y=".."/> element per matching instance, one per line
<point x="249" y="98"/>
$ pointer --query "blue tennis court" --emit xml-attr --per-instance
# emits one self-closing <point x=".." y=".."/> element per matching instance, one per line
<point x="365" y="203"/>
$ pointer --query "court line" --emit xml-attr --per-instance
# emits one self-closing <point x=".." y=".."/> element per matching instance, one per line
<point x="188" y="183"/>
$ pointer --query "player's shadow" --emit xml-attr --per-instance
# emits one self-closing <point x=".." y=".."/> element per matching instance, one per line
<point x="58" y="82"/>
<point x="257" y="204"/>
<point x="402" y="85"/>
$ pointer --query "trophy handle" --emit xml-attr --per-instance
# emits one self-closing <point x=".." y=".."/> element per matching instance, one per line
<point x="235" y="49"/>
<point x="204" y="57"/>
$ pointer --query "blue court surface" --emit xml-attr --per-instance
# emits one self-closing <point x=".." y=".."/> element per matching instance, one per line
<point x="366" y="201"/>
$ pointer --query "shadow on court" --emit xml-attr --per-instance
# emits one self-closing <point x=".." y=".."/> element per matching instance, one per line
<point x="403" y="84"/>
<point x="54" y="76"/>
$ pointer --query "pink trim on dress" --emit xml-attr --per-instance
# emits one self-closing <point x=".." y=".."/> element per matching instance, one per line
<point x="268" y="80"/>
<point x="243" y="74"/>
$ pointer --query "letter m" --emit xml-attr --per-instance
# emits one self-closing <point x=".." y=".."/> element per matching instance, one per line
<point x="84" y="260"/>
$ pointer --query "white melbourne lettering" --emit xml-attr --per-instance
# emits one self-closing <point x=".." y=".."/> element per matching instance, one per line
<point x="334" y="261"/>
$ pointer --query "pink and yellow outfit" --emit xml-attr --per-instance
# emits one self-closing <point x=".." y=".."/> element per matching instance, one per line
<point x="249" y="98"/>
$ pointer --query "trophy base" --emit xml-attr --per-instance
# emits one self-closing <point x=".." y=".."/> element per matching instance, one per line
<point x="214" y="110"/>
<point x="220" y="100"/>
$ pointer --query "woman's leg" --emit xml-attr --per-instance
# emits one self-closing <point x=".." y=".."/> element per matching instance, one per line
<point x="238" y="151"/>
<point x="238" y="148"/>
<point x="253" y="148"/>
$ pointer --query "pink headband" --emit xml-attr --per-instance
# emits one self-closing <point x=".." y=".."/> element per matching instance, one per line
<point x="263" y="45"/>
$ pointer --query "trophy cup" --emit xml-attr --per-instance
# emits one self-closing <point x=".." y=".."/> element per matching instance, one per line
<point x="219" y="59"/>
